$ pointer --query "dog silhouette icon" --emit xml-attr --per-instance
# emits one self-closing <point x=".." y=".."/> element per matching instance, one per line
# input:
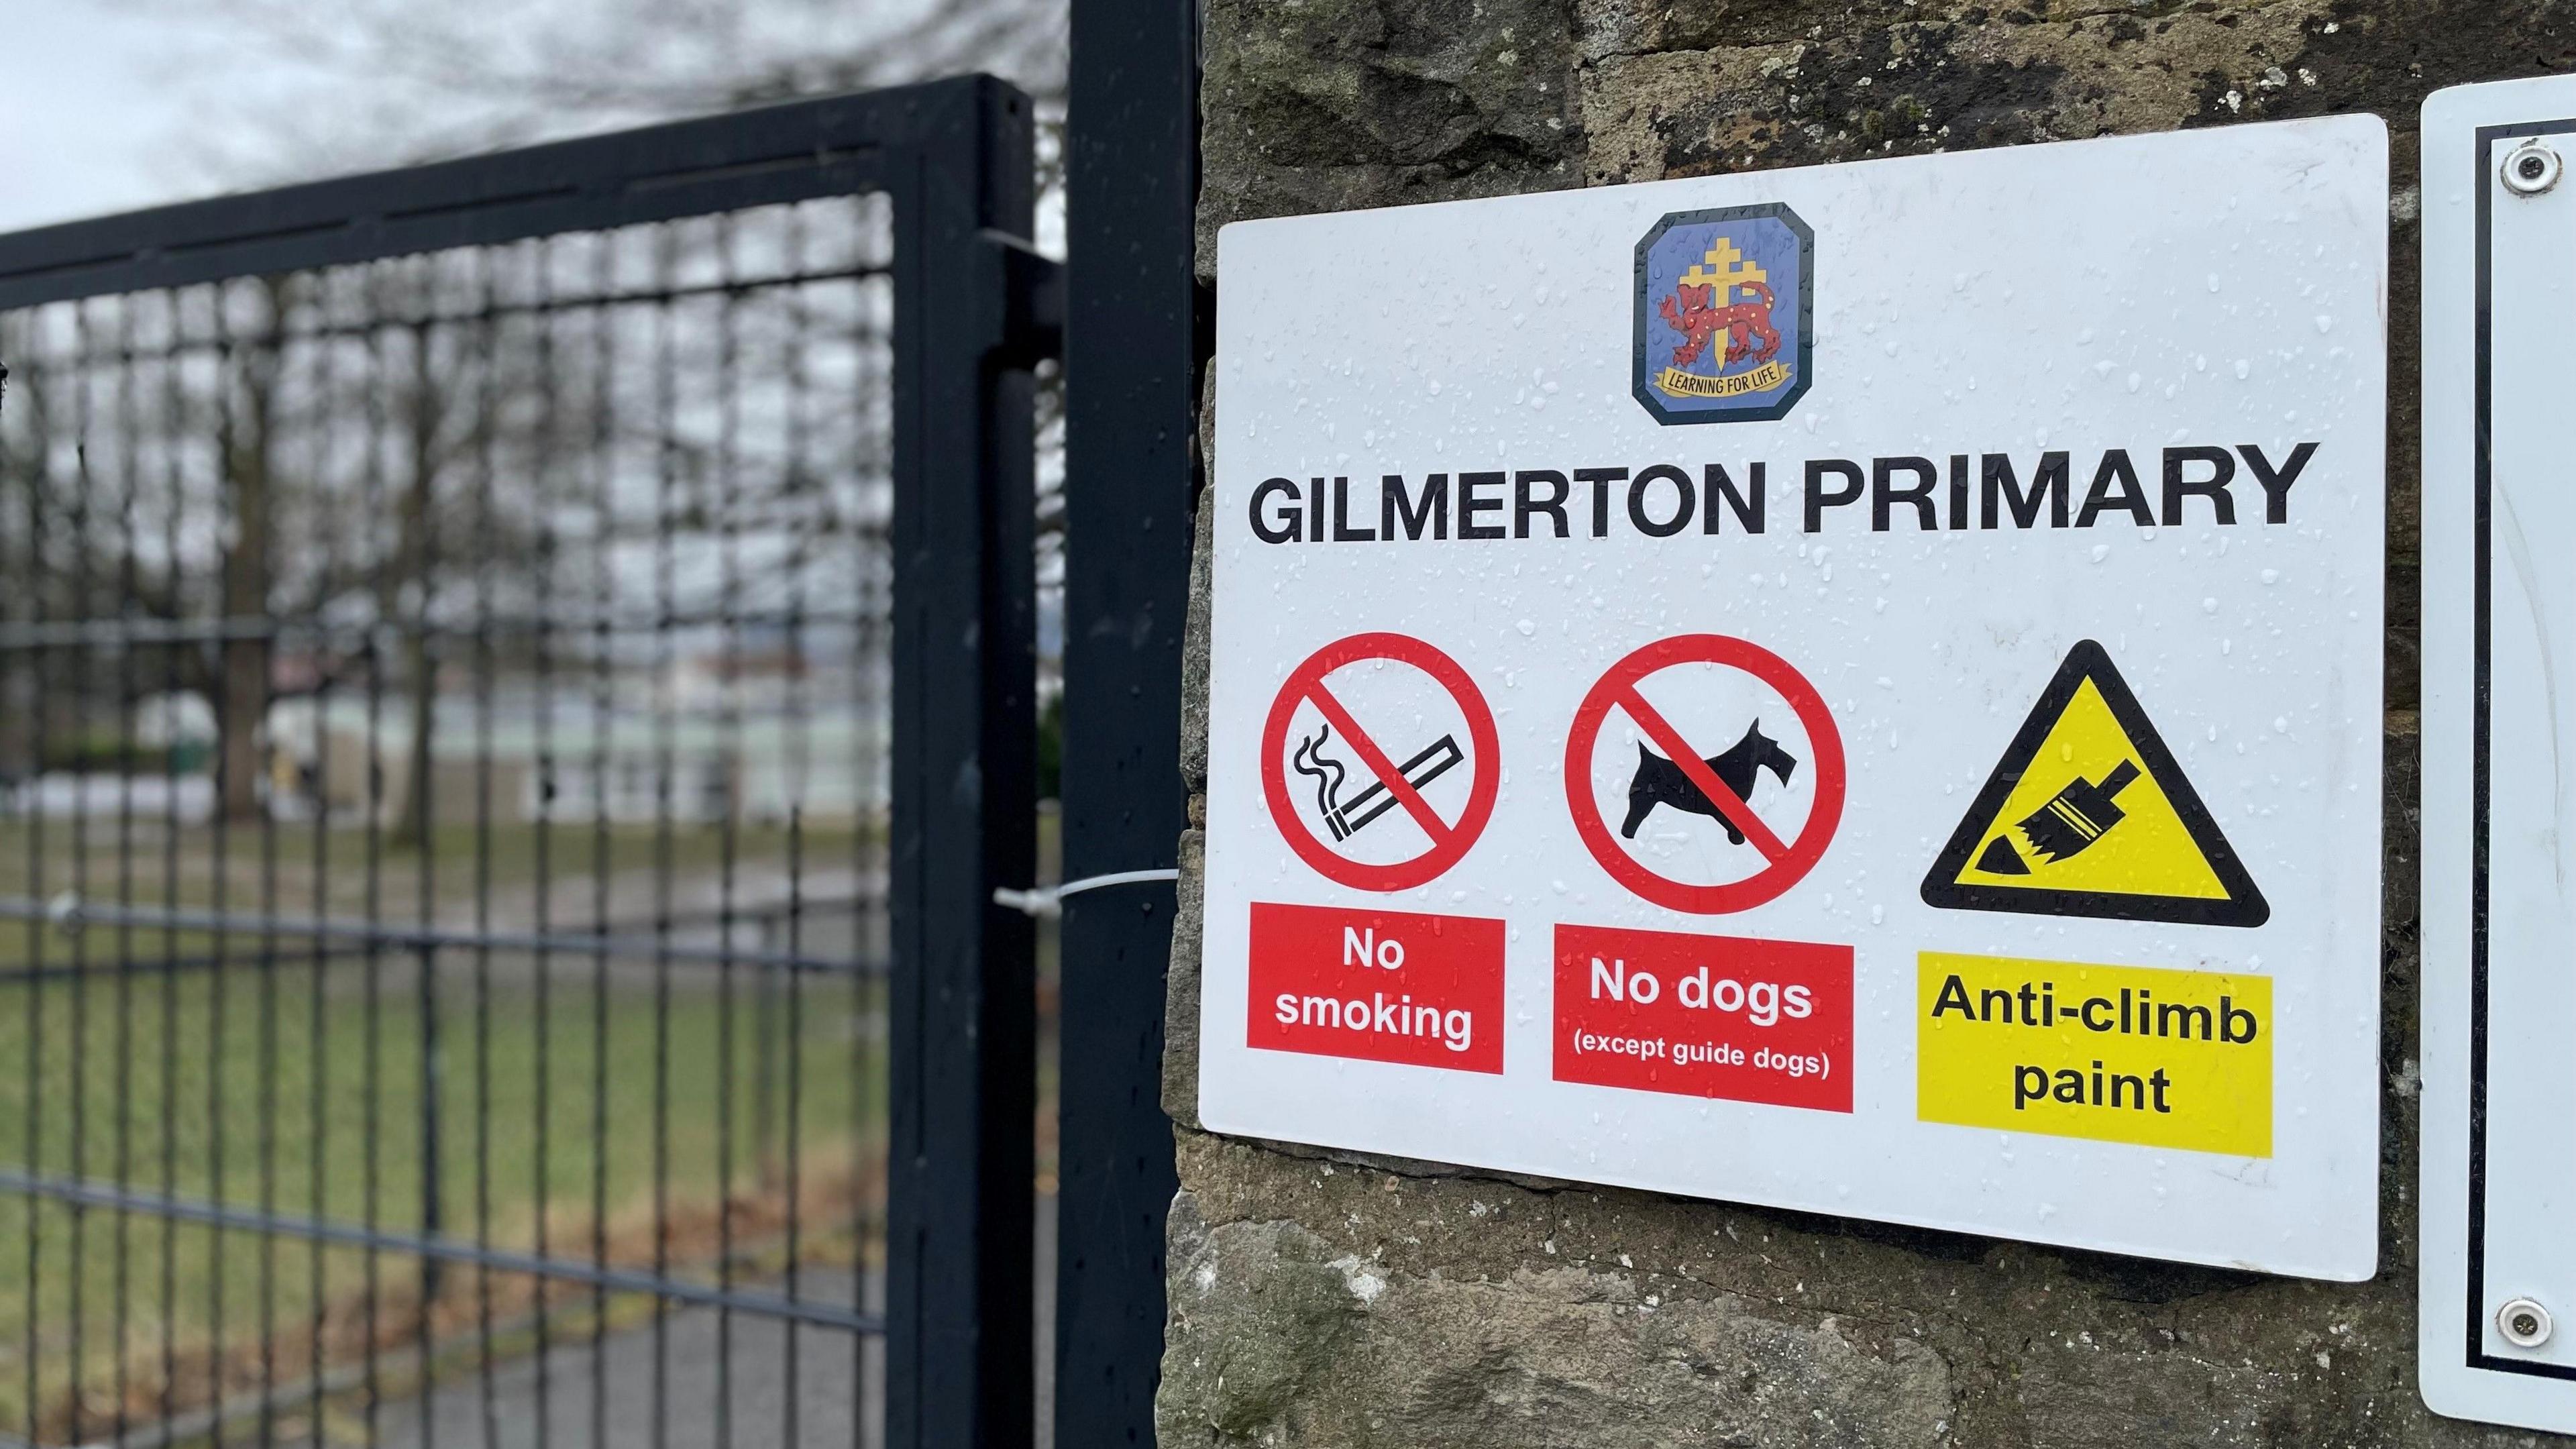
<point x="1659" y="781"/>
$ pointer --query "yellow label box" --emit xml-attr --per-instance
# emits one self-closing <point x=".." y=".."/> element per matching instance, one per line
<point x="2114" y="1053"/>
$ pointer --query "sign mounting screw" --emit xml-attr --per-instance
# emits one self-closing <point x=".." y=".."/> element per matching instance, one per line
<point x="2530" y="169"/>
<point x="2523" y="1322"/>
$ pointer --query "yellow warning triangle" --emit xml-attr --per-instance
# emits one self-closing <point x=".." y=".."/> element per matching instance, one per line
<point x="2088" y="814"/>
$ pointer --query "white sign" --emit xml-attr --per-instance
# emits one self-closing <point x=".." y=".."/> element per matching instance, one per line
<point x="1853" y="689"/>
<point x="2496" y="1340"/>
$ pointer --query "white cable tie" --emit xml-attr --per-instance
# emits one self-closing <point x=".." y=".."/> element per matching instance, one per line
<point x="1046" y="902"/>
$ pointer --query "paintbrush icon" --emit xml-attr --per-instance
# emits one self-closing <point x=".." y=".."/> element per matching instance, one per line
<point x="2078" y="815"/>
<point x="2072" y="819"/>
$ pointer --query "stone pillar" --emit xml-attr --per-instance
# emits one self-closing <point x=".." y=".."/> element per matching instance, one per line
<point x="1327" y="1298"/>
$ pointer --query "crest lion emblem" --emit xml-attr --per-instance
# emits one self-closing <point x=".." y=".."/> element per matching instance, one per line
<point x="1725" y="304"/>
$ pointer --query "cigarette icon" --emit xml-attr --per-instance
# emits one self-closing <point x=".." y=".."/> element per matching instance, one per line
<point x="1345" y="818"/>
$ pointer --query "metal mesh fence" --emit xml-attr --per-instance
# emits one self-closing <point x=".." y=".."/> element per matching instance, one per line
<point x="442" y="846"/>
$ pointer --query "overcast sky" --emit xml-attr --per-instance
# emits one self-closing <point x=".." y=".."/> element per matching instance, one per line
<point x="109" y="105"/>
<point x="95" y="106"/>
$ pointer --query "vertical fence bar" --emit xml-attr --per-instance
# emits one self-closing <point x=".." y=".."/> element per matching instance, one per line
<point x="419" y="822"/>
<point x="725" y="474"/>
<point x="246" y="684"/>
<point x="487" y="407"/>
<point x="175" y="412"/>
<point x="796" y="471"/>
<point x="874" y="641"/>
<point x="129" y="433"/>
<point x="666" y="467"/>
<point x="1134" y="329"/>
<point x="218" y="1012"/>
<point x="545" y="488"/>
<point x="603" y="706"/>
<point x="84" y="407"/>
<point x="316" y="789"/>
<point x="963" y="1029"/>
<point x="380" y="615"/>
<point x="39" y="474"/>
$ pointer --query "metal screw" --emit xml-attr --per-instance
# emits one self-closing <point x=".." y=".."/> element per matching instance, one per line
<point x="2524" y="1323"/>
<point x="2531" y="168"/>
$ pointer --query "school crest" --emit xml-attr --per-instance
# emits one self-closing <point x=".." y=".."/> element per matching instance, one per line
<point x="1725" y="315"/>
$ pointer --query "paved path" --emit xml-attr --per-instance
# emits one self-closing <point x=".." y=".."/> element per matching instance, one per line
<point x="826" y="1371"/>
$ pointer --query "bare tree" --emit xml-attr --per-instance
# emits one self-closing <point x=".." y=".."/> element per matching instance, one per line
<point x="298" y="538"/>
<point x="405" y="81"/>
<point x="247" y="436"/>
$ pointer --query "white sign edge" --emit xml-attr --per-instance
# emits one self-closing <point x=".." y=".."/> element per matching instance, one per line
<point x="2354" y="1259"/>
<point x="2447" y="1378"/>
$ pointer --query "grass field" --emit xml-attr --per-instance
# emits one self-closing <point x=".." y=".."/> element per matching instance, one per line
<point x="562" y="1098"/>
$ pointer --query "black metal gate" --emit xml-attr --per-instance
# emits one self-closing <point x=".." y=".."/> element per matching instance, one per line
<point x="516" y="691"/>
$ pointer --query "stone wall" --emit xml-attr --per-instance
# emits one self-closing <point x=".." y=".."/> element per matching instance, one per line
<point x="1324" y="1298"/>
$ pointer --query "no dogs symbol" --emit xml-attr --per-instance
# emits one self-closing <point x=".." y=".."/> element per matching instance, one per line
<point x="1364" y="746"/>
<point x="1726" y="774"/>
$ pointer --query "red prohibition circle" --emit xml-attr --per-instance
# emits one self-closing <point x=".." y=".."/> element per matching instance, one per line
<point x="1449" y="842"/>
<point x="1787" y="862"/>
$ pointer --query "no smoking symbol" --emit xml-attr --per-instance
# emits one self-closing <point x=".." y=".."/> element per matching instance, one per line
<point x="1687" y="778"/>
<point x="1392" y="785"/>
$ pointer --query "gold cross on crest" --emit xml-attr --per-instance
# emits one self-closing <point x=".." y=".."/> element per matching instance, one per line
<point x="1725" y="266"/>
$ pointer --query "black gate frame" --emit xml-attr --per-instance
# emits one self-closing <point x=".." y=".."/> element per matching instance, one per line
<point x="975" y="310"/>
<point x="1138" y="331"/>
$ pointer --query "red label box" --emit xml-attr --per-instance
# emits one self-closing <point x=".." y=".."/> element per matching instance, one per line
<point x="1381" y="986"/>
<point x="1705" y="1016"/>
